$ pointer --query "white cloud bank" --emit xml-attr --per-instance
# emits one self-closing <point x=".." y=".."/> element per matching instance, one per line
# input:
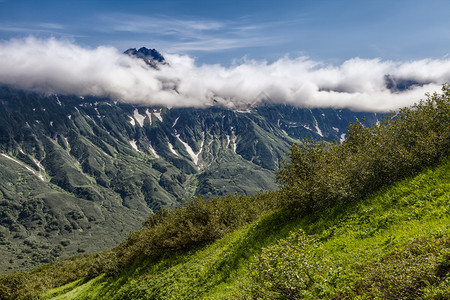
<point x="55" y="66"/>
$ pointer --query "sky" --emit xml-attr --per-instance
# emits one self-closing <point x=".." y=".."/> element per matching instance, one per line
<point x="314" y="53"/>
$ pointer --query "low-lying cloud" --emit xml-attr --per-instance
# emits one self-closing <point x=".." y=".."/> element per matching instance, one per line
<point x="62" y="67"/>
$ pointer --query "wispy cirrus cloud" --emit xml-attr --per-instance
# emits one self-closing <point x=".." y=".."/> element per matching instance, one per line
<point x="183" y="35"/>
<point x="175" y="34"/>
<point x="217" y="44"/>
<point x="35" y="28"/>
<point x="164" y="24"/>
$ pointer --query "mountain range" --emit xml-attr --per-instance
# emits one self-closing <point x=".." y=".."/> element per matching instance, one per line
<point x="79" y="173"/>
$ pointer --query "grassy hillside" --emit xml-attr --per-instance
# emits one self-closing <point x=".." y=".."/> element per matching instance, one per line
<point x="394" y="244"/>
<point x="367" y="218"/>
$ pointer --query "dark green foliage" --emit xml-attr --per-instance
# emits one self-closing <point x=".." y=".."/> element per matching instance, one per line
<point x="298" y="268"/>
<point x="27" y="285"/>
<point x="405" y="273"/>
<point x="166" y="232"/>
<point x="320" y="175"/>
<point x="198" y="223"/>
<point x="156" y="218"/>
<point x="293" y="268"/>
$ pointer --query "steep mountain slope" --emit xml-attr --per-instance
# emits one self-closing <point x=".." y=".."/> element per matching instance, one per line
<point x="89" y="168"/>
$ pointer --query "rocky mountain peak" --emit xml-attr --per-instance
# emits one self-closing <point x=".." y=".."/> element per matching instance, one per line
<point x="151" y="56"/>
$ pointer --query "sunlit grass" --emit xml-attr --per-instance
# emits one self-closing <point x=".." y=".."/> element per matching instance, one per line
<point x="353" y="237"/>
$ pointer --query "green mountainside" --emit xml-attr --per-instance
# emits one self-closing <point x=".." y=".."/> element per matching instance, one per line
<point x="77" y="174"/>
<point x="374" y="249"/>
<point x="367" y="218"/>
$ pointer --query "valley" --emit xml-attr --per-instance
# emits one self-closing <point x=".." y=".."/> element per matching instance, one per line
<point x="82" y="169"/>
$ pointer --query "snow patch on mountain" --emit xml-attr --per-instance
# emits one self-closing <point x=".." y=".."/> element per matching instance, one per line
<point x="316" y="125"/>
<point x="175" y="123"/>
<point x="138" y="117"/>
<point x="234" y="143"/>
<point x="171" y="148"/>
<point x="134" y="145"/>
<point x="157" y="114"/>
<point x="153" y="151"/>
<point x="132" y="121"/>
<point x="192" y="154"/>
<point x="149" y="115"/>
<point x="38" y="174"/>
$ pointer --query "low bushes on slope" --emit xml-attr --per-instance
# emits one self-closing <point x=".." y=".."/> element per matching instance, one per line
<point x="417" y="269"/>
<point x="320" y="175"/>
<point x="298" y="268"/>
<point x="166" y="232"/>
<point x="26" y="285"/>
<point x="198" y="223"/>
<point x="292" y="268"/>
<point x="392" y="245"/>
<point x="395" y="244"/>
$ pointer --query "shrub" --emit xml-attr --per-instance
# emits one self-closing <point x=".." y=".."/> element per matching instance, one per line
<point x="27" y="285"/>
<point x="410" y="272"/>
<point x="318" y="175"/>
<point x="293" y="268"/>
<point x="197" y="223"/>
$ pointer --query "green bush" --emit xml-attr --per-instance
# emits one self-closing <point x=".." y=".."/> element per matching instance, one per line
<point x="318" y="175"/>
<point x="419" y="269"/>
<point x="27" y="285"/>
<point x="199" y="222"/>
<point x="293" y="268"/>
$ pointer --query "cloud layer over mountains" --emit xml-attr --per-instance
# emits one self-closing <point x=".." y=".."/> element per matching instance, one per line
<point x="56" y="66"/>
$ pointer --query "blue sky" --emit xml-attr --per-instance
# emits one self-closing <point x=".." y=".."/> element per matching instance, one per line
<point x="317" y="53"/>
<point x="224" y="31"/>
